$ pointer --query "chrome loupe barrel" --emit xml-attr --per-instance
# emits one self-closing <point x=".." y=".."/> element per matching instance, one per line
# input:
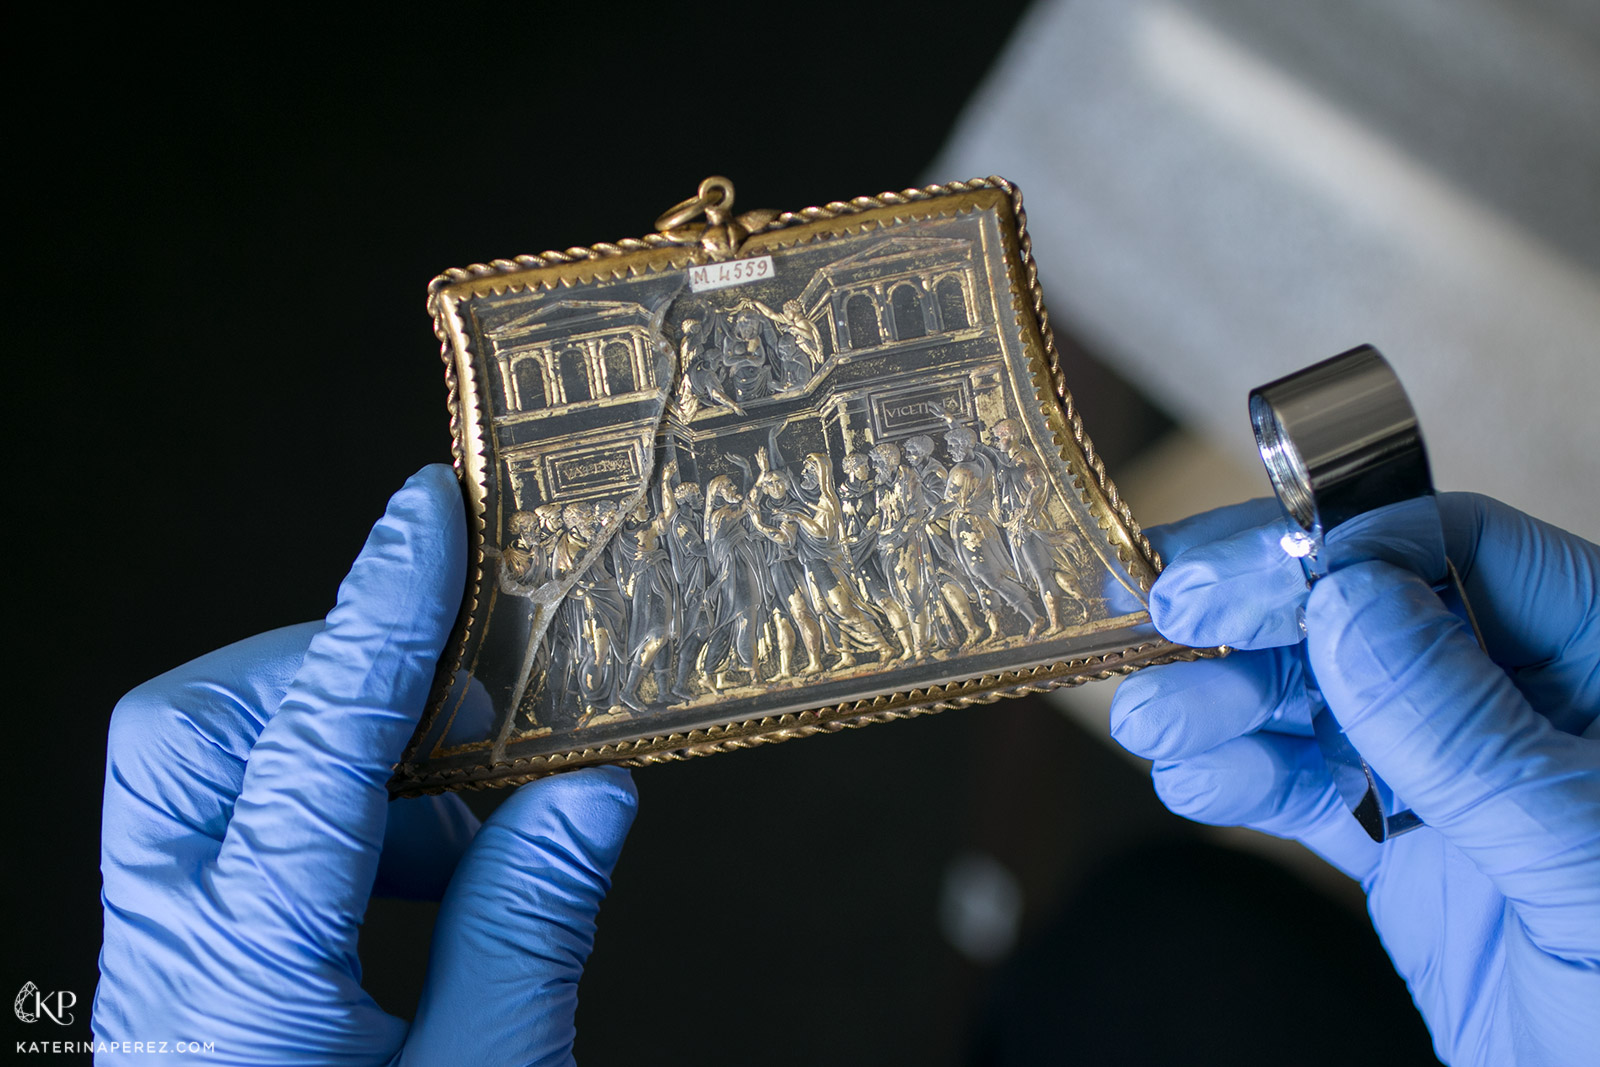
<point x="1340" y="438"/>
<point x="1340" y="441"/>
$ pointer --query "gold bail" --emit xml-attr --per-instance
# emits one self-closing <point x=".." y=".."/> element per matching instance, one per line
<point x="714" y="199"/>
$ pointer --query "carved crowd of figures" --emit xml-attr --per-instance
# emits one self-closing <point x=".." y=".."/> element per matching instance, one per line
<point x="789" y="573"/>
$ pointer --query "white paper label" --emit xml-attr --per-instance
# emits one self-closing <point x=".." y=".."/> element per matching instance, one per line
<point x="736" y="272"/>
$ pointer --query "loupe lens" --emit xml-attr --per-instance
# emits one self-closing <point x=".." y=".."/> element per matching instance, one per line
<point x="1285" y="468"/>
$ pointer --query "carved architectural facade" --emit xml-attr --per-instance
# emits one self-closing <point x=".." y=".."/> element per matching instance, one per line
<point x="569" y="353"/>
<point x="899" y="290"/>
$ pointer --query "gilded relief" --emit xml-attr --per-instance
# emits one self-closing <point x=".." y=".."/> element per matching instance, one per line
<point x="830" y="478"/>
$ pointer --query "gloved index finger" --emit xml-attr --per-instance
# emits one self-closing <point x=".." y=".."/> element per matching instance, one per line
<point x="1213" y="557"/>
<point x="1175" y="538"/>
<point x="302" y="848"/>
<point x="1241" y="590"/>
<point x="1244" y="589"/>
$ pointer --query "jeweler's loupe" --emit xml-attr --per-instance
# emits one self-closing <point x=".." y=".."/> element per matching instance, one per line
<point x="1344" y="452"/>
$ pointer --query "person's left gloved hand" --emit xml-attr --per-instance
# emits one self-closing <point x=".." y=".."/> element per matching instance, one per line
<point x="247" y="819"/>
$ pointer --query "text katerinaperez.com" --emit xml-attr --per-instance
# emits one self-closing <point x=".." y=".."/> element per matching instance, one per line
<point x="58" y="1047"/>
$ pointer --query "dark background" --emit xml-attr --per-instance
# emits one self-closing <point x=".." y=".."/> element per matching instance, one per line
<point x="221" y="367"/>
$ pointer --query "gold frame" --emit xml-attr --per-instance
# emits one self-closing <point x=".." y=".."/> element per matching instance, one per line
<point x="659" y="252"/>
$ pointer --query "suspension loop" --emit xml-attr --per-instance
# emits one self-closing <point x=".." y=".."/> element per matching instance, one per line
<point x="714" y="200"/>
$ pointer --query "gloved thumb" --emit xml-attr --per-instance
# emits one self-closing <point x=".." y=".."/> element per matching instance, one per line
<point x="518" y="922"/>
<point x="1453" y="736"/>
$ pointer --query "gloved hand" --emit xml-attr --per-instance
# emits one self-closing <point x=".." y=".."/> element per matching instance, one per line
<point x="246" y="821"/>
<point x="1491" y="912"/>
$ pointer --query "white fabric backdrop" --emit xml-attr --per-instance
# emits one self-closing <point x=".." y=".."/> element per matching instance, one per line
<point x="1221" y="191"/>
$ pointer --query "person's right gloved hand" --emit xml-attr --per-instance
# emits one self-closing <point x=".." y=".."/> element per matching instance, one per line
<point x="1491" y="912"/>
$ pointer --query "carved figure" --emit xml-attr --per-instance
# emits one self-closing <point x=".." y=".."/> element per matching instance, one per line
<point x="791" y="608"/>
<point x="644" y="575"/>
<point x="736" y="588"/>
<point x="903" y="542"/>
<point x="526" y="564"/>
<point x="686" y="548"/>
<point x="522" y="559"/>
<point x="978" y="542"/>
<point x="820" y="545"/>
<point x="949" y="576"/>
<point x="744" y="353"/>
<point x="799" y="343"/>
<point x="859" y="505"/>
<point x="1043" y="558"/>
<point x="589" y="621"/>
<point x="699" y="358"/>
<point x="748" y="361"/>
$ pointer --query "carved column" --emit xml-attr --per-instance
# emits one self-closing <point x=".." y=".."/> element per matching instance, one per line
<point x="512" y="394"/>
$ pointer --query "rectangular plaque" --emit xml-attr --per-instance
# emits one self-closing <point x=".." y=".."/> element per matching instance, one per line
<point x="921" y="408"/>
<point x="764" y="477"/>
<point x="592" y="469"/>
<point x="721" y="275"/>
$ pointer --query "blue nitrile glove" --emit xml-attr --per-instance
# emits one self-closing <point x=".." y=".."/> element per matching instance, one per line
<point x="246" y="821"/>
<point x="1492" y="911"/>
